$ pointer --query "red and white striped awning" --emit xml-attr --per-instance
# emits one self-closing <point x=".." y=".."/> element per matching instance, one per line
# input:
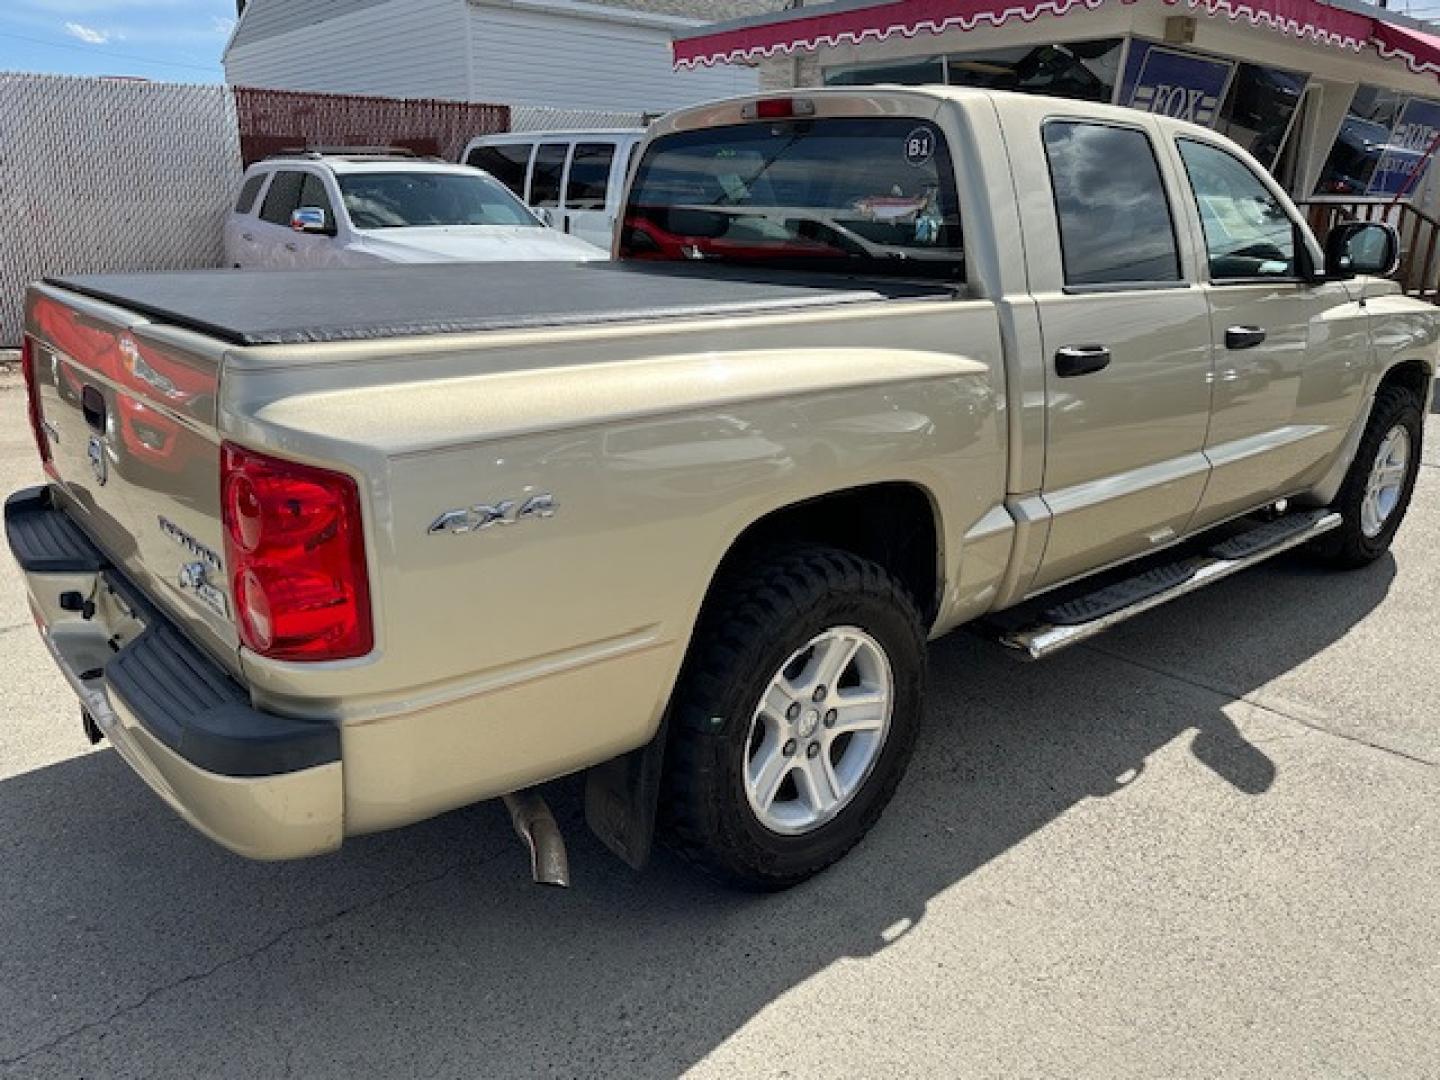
<point x="911" y="18"/>
<point x="1419" y="51"/>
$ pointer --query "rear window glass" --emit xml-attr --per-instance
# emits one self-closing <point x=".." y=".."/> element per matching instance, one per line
<point x="546" y="173"/>
<point x="589" y="176"/>
<point x="248" y="193"/>
<point x="841" y="194"/>
<point x="506" y="163"/>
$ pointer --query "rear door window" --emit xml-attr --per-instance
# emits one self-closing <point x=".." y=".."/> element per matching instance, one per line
<point x="249" y="192"/>
<point x="506" y="163"/>
<point x="546" y="174"/>
<point x="283" y="198"/>
<point x="589" y="182"/>
<point x="1115" y="223"/>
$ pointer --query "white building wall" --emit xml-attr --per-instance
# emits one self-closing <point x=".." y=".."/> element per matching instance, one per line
<point x="524" y="55"/>
<point x="405" y="48"/>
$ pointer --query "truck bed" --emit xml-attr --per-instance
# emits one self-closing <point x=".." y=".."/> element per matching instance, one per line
<point x="281" y="307"/>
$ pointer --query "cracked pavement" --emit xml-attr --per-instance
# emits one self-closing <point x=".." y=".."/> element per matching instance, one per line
<point x="1206" y="845"/>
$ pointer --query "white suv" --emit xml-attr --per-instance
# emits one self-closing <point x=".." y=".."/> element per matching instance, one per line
<point x="317" y="209"/>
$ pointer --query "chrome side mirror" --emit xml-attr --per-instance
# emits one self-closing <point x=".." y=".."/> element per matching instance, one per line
<point x="1361" y="247"/>
<point x="312" y="219"/>
<point x="546" y="216"/>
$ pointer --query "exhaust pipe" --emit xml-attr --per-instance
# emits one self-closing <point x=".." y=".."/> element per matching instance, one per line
<point x="535" y="824"/>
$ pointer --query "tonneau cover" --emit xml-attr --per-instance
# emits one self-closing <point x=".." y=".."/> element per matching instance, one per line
<point x="279" y="307"/>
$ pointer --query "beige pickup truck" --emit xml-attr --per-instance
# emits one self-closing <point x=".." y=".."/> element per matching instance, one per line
<point x="325" y="553"/>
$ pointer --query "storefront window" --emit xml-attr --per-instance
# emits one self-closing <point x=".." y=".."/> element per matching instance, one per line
<point x="1383" y="145"/>
<point x="926" y="71"/>
<point x="1078" y="69"/>
<point x="1258" y="109"/>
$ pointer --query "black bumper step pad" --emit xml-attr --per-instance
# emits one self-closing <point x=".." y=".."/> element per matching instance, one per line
<point x="44" y="540"/>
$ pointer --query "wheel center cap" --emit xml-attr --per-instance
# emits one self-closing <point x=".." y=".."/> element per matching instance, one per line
<point x="808" y="723"/>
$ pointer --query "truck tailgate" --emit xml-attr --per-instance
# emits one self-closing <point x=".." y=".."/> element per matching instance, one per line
<point x="129" y="416"/>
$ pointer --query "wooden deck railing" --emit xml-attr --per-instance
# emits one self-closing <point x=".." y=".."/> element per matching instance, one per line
<point x="1419" y="269"/>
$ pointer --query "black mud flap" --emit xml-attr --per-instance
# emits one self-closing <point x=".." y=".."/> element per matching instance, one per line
<point x="621" y="799"/>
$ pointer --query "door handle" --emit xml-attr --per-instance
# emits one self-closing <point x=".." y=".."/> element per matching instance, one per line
<point x="1244" y="337"/>
<point x="1074" y="360"/>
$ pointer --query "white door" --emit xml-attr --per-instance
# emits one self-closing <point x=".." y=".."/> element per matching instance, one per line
<point x="240" y="232"/>
<point x="276" y="243"/>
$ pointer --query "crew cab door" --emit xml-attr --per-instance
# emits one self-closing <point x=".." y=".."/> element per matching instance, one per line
<point x="277" y="244"/>
<point x="1126" y="340"/>
<point x="1290" y="354"/>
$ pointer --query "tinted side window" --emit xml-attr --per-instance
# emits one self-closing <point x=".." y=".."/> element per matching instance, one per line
<point x="246" y="202"/>
<point x="505" y="163"/>
<point x="1115" y="222"/>
<point x="313" y="193"/>
<point x="589" y="176"/>
<point x="282" y="198"/>
<point x="545" y="175"/>
<point x="1248" y="234"/>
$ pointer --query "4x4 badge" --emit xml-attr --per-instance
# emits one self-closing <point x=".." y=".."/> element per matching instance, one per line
<point x="470" y="519"/>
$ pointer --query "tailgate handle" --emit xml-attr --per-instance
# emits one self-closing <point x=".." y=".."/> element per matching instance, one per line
<point x="92" y="404"/>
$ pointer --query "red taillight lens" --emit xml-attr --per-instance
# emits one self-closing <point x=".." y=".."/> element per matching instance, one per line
<point x="296" y="552"/>
<point x="32" y="396"/>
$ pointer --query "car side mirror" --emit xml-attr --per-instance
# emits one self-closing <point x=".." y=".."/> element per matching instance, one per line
<point x="1361" y="247"/>
<point x="312" y="219"/>
<point x="546" y="216"/>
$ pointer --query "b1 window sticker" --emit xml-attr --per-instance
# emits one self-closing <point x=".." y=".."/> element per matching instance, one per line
<point x="920" y="147"/>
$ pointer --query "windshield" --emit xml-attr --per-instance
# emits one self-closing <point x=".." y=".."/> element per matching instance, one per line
<point x="394" y="200"/>
<point x="872" y="195"/>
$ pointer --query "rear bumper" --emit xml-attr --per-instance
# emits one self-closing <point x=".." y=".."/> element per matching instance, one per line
<point x="262" y="785"/>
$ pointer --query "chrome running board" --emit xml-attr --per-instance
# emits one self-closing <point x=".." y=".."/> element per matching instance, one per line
<point x="1079" y="619"/>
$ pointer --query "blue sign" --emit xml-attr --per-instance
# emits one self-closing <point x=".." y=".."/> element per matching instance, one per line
<point x="1404" y="157"/>
<point x="1177" y="84"/>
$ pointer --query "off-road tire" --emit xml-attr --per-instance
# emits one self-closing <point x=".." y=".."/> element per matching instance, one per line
<point x="759" y="617"/>
<point x="1348" y="548"/>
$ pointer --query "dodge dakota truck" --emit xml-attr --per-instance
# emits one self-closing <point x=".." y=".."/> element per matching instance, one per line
<point x="329" y="552"/>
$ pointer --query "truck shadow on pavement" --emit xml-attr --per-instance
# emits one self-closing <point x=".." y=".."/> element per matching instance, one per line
<point x="131" y="946"/>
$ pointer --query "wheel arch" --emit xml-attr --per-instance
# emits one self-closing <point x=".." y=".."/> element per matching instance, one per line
<point x="896" y="524"/>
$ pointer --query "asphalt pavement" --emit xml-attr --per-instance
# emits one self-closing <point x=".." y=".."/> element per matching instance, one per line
<point x="1206" y="846"/>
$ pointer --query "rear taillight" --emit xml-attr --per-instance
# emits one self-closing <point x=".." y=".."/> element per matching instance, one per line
<point x="32" y="395"/>
<point x="296" y="552"/>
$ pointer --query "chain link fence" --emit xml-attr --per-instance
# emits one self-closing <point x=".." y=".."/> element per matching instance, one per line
<point x="106" y="174"/>
<point x="102" y="175"/>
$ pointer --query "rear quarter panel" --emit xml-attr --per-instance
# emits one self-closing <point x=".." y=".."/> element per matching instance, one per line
<point x="529" y="650"/>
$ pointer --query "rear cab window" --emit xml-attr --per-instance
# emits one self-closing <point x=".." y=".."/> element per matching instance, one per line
<point x="1116" y="228"/>
<point x="847" y="194"/>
